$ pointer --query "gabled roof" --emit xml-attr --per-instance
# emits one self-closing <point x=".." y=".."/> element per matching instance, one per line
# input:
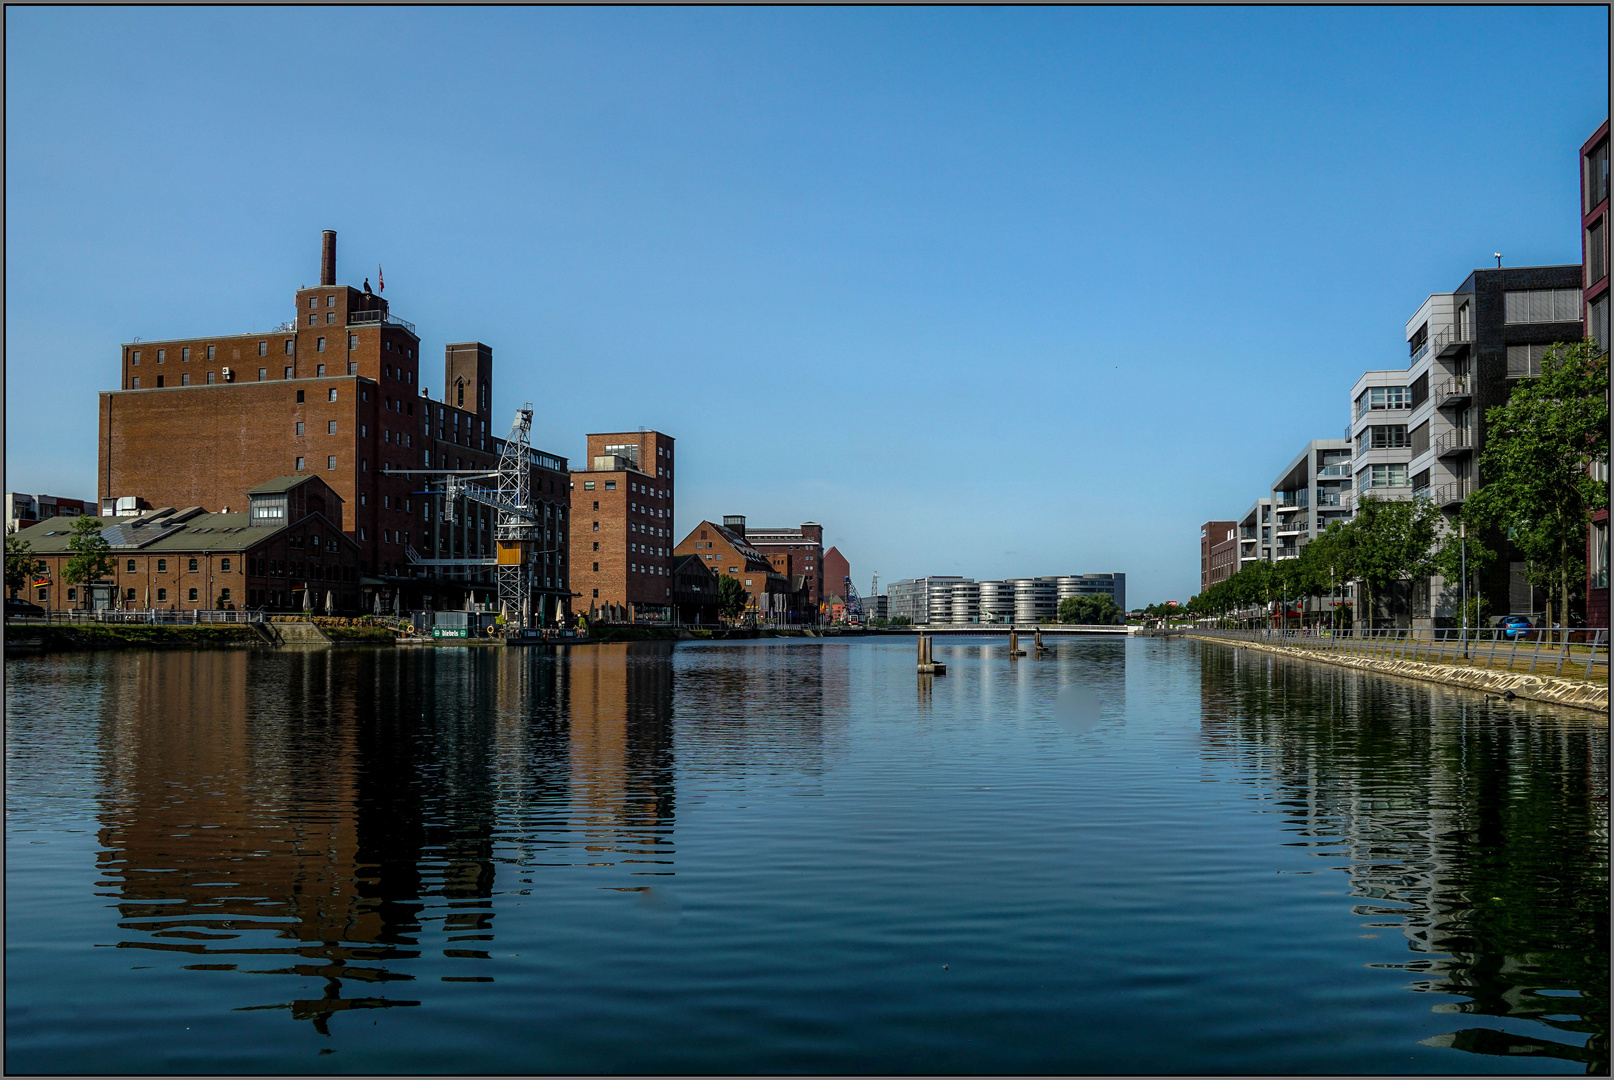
<point x="159" y="533"/>
<point x="282" y="483"/>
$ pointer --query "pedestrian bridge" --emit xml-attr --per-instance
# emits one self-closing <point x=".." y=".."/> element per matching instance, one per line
<point x="1004" y="629"/>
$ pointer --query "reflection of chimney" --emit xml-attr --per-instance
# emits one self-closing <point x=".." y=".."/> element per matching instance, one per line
<point x="735" y="523"/>
<point x="327" y="259"/>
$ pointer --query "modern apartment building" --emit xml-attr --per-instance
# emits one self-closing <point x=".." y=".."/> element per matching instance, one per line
<point x="1312" y="492"/>
<point x="911" y="597"/>
<point x="25" y="510"/>
<point x="1218" y="552"/>
<point x="995" y="601"/>
<point x="1255" y="533"/>
<point x="335" y="392"/>
<point x="622" y="538"/>
<point x="1594" y="258"/>
<point x="1111" y="585"/>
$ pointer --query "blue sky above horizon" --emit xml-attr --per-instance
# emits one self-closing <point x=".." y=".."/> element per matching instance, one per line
<point x="998" y="292"/>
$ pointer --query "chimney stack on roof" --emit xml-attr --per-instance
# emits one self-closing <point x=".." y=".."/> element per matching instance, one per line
<point x="327" y="259"/>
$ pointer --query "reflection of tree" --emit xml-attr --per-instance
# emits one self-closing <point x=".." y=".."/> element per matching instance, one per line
<point x="1480" y="832"/>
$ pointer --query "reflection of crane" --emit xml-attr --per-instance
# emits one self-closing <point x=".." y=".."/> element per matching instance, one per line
<point x="519" y="521"/>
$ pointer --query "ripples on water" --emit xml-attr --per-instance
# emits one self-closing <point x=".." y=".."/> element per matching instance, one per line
<point x="1141" y="856"/>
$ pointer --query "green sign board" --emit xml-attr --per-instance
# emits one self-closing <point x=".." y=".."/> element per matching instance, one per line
<point x="450" y="631"/>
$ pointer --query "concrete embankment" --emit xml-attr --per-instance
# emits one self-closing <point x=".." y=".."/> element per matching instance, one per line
<point x="1576" y="693"/>
<point x="53" y="637"/>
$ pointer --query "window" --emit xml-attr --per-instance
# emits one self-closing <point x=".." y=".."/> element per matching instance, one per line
<point x="596" y="567"/>
<point x="313" y="320"/>
<point x="162" y="595"/>
<point x="330" y="462"/>
<point x="162" y="354"/>
<point x="364" y="431"/>
<point x="1383" y="397"/>
<point x="263" y="348"/>
<point x="162" y="566"/>
<point x="330" y="427"/>
<point x="299" y="464"/>
<point x="224" y="596"/>
<point x="596" y="545"/>
<point x="185" y="355"/>
<point x="135" y="385"/>
<point x="748" y="583"/>
<point x="129" y="594"/>
<point x="1599" y="531"/>
<point x="1597" y="251"/>
<point x="1385" y="437"/>
<point x="287" y="375"/>
<point x="211" y="354"/>
<point x="1596" y="180"/>
<point x="135" y="358"/>
<point x="224" y="566"/>
<point x="299" y="427"/>
<point x="352" y="342"/>
<point x="1541" y="306"/>
<point x="352" y="367"/>
<point x="313" y="302"/>
<point x="610" y="485"/>
<point x="1524" y="361"/>
<point x="596" y="526"/>
<point x="1387" y="476"/>
<point x="330" y="317"/>
<point x="193" y="567"/>
<point x="1596" y="324"/>
<point x="193" y="594"/>
<point x="319" y="344"/>
<point x="588" y="485"/>
<point x="319" y="370"/>
<point x="263" y="373"/>
<point x="131" y="566"/>
<point x="288" y="346"/>
<point x="299" y="397"/>
<point x="210" y="378"/>
<point x="734" y="569"/>
<point x="184" y="378"/>
<point x="330" y="301"/>
<point x="596" y="592"/>
<point x="596" y="504"/>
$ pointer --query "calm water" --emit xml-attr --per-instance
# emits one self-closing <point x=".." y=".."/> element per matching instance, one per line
<point x="795" y="856"/>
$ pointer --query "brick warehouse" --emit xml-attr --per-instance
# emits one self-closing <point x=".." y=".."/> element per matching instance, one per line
<point x="336" y="393"/>
<point x="623" y="541"/>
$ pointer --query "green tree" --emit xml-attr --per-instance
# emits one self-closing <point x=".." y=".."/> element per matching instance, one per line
<point x="92" y="555"/>
<point x="732" y="599"/>
<point x="19" y="563"/>
<point x="1095" y="610"/>
<point x="1391" y="540"/>
<point x="1537" y="487"/>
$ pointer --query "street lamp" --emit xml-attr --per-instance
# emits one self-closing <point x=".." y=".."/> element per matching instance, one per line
<point x="1462" y="537"/>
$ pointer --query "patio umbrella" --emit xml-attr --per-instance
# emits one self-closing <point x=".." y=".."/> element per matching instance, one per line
<point x="378" y="601"/>
<point x="330" y="602"/>
<point x="308" y="599"/>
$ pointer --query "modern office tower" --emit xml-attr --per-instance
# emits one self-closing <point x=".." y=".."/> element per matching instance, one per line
<point x="1035" y="599"/>
<point x="966" y="602"/>
<point x="995" y="601"/>
<point x="1594" y="257"/>
<point x="1111" y="585"/>
<point x="1310" y="493"/>
<point x="622" y="539"/>
<point x="1218" y="552"/>
<point x="876" y="607"/>
<point x="911" y="597"/>
<point x="335" y="392"/>
<point x="1255" y="533"/>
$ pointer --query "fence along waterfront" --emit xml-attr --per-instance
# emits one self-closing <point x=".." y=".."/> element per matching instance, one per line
<point x="1580" y="652"/>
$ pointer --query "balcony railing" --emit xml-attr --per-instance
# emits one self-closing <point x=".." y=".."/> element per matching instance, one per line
<point x="1456" y="441"/>
<point x="1452" y="493"/>
<point x="1453" y="338"/>
<point x="1331" y="498"/>
<point x="1298" y="524"/>
<point x="1334" y="470"/>
<point x="1452" y="392"/>
<point x="1296" y="501"/>
<point x="371" y="318"/>
<point x="1421" y="492"/>
<point x="1418" y="354"/>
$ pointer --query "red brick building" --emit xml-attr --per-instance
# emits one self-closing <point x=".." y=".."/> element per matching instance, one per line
<point x="836" y="571"/>
<point x="284" y="549"/>
<point x="726" y="549"/>
<point x="622" y="542"/>
<point x="335" y="392"/>
<point x="1594" y="259"/>
<point x="1218" y="552"/>
<point x="804" y="546"/>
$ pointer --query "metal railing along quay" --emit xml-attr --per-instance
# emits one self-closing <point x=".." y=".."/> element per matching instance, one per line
<point x="1576" y="652"/>
<point x="158" y="615"/>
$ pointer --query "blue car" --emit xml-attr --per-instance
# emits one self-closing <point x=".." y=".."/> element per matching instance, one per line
<point x="1515" y="626"/>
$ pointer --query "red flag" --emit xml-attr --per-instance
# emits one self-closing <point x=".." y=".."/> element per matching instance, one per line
<point x="381" y="281"/>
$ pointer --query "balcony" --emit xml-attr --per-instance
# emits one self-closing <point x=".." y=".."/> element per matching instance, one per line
<point x="1292" y="501"/>
<point x="1454" y="339"/>
<point x="1332" y="498"/>
<point x="1418" y="354"/>
<point x="1333" y="470"/>
<point x="1451" y="494"/>
<point x="1454" y="391"/>
<point x="373" y="318"/>
<point x="1454" y="442"/>
<point x="1297" y="524"/>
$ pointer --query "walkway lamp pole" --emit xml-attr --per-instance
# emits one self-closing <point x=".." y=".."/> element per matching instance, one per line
<point x="1462" y="536"/>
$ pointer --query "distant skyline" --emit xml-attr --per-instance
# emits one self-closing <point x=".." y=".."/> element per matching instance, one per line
<point x="991" y="292"/>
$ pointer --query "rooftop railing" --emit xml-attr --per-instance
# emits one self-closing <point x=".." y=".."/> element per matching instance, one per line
<point x="371" y="318"/>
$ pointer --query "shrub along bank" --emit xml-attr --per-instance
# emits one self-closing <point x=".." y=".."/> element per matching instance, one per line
<point x="126" y="635"/>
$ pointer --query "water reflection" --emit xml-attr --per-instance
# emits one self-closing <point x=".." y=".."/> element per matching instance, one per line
<point x="1479" y="831"/>
<point x="331" y="815"/>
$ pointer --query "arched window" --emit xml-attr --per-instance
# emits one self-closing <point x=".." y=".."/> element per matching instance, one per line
<point x="459" y="388"/>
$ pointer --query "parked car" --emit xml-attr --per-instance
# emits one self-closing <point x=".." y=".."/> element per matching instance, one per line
<point x="1515" y="626"/>
<point x="23" y="609"/>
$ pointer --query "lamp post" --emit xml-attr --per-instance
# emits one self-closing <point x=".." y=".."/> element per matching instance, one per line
<point x="1462" y="537"/>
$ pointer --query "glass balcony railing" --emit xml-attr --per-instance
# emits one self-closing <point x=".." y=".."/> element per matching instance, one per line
<point x="1335" y="470"/>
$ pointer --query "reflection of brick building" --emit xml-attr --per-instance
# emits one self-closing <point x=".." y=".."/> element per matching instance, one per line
<point x="288" y="545"/>
<point x="623" y="535"/>
<point x="334" y="393"/>
<point x="1218" y="552"/>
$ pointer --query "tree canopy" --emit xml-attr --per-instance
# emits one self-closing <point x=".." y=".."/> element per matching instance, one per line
<point x="1093" y="610"/>
<point x="732" y="599"/>
<point x="92" y="555"/>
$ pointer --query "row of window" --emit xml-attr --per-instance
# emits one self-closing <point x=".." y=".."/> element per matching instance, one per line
<point x="330" y="462"/>
<point x="212" y="352"/>
<point x="1383" y="397"/>
<point x="191" y="564"/>
<point x="263" y="375"/>
<point x="1541" y="306"/>
<point x="330" y="426"/>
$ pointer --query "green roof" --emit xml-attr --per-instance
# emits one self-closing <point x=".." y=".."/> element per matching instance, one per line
<point x="202" y="533"/>
<point x="281" y="483"/>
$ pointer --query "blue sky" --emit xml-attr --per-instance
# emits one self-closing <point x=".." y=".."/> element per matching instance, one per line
<point x="991" y="292"/>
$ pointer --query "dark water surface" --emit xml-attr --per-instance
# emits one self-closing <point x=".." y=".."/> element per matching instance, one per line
<point x="795" y="856"/>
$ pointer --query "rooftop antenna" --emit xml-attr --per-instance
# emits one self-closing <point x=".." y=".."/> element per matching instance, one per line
<point x="1498" y="255"/>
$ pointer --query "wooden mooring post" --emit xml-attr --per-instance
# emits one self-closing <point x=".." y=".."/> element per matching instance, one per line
<point x="1014" y="645"/>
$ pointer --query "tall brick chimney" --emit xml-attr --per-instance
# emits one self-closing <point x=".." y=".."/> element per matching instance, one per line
<point x="327" y="259"/>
